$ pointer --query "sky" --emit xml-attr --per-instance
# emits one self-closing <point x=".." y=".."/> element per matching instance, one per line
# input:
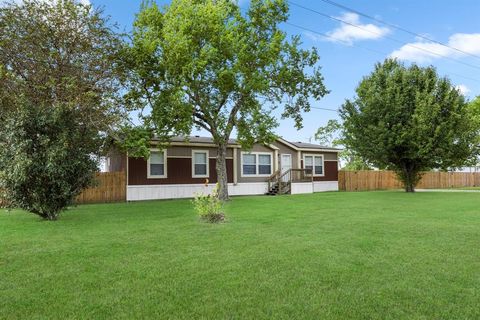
<point x="349" y="53"/>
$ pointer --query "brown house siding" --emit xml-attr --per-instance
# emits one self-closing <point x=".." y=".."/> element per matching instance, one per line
<point x="326" y="155"/>
<point x="331" y="172"/>
<point x="179" y="151"/>
<point x="179" y="171"/>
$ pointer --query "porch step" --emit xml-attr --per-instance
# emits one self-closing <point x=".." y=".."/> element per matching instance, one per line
<point x="273" y="191"/>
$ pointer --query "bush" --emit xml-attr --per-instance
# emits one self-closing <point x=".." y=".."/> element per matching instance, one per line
<point x="209" y="207"/>
<point x="46" y="160"/>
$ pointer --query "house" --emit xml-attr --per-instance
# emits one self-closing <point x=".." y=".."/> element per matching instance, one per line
<point x="181" y="170"/>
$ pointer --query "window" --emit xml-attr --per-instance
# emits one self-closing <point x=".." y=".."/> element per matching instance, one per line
<point x="249" y="164"/>
<point x="157" y="164"/>
<point x="256" y="164"/>
<point x="200" y="164"/>
<point x="318" y="165"/>
<point x="265" y="164"/>
<point x="314" y="163"/>
<point x="308" y="163"/>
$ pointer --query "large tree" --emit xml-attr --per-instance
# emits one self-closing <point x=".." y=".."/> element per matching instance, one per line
<point x="58" y="81"/>
<point x="474" y="109"/>
<point x="408" y="119"/>
<point x="203" y="64"/>
<point x="332" y="134"/>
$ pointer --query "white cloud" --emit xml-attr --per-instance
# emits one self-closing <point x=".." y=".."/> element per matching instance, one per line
<point x="463" y="89"/>
<point x="468" y="42"/>
<point x="312" y="36"/>
<point x="349" y="33"/>
<point x="423" y="51"/>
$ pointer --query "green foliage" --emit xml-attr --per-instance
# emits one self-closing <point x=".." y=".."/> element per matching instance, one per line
<point x="332" y="135"/>
<point x="58" y="86"/>
<point x="209" y="206"/>
<point x="205" y="65"/>
<point x="135" y="140"/>
<point x="59" y="53"/>
<point x="408" y="119"/>
<point x="46" y="159"/>
<point x="354" y="162"/>
<point x="474" y="111"/>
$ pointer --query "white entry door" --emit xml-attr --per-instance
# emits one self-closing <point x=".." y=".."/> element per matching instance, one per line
<point x="285" y="164"/>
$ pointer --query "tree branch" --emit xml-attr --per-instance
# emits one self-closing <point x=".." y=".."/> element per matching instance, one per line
<point x="233" y="116"/>
<point x="202" y="125"/>
<point x="222" y="102"/>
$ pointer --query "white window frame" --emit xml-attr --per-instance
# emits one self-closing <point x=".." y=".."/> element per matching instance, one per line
<point x="149" y="175"/>
<point x="207" y="175"/>
<point x="257" y="163"/>
<point x="313" y="159"/>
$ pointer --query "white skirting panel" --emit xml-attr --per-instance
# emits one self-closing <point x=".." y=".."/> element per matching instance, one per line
<point x="302" y="187"/>
<point x="176" y="191"/>
<point x="247" y="188"/>
<point x="320" y="186"/>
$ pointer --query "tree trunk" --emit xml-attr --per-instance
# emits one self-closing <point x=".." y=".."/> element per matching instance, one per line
<point x="409" y="187"/>
<point x="222" y="171"/>
<point x="409" y="177"/>
<point x="46" y="216"/>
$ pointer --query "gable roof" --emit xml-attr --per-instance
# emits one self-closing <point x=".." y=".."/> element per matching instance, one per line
<point x="299" y="146"/>
<point x="198" y="139"/>
<point x="303" y="146"/>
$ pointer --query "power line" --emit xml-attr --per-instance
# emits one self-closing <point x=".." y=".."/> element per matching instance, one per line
<point x="365" y="48"/>
<point x="338" y="5"/>
<point x="327" y="109"/>
<point x="333" y="38"/>
<point x="379" y="34"/>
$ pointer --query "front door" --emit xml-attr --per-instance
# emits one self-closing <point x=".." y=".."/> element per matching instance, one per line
<point x="285" y="164"/>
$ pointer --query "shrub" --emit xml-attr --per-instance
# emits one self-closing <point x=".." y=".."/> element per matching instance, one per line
<point x="59" y="90"/>
<point x="209" y="206"/>
<point x="46" y="160"/>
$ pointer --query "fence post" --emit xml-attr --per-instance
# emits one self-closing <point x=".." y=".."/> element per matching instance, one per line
<point x="378" y="180"/>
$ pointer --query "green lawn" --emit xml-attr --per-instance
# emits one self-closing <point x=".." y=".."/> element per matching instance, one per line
<point x="366" y="255"/>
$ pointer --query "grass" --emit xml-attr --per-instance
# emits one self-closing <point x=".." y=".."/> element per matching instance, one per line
<point x="469" y="188"/>
<point x="366" y="255"/>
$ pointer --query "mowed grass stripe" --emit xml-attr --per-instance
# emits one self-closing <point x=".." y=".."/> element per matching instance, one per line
<point x="365" y="255"/>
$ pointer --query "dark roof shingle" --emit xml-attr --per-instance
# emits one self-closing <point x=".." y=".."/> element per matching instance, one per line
<point x="198" y="139"/>
<point x="305" y="145"/>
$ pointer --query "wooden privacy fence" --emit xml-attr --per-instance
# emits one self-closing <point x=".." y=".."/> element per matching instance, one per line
<point x="384" y="180"/>
<point x="111" y="187"/>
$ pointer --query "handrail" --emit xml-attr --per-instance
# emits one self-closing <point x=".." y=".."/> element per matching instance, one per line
<point x="273" y="179"/>
<point x="274" y="174"/>
<point x="284" y="180"/>
<point x="305" y="175"/>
